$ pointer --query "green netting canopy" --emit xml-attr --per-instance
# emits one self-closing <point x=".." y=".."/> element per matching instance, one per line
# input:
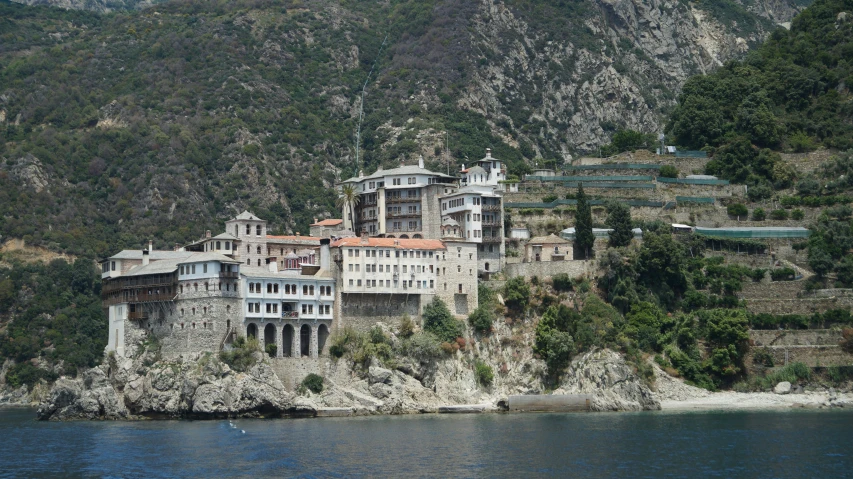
<point x="755" y="232"/>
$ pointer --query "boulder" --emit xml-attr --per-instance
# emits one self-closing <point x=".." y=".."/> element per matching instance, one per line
<point x="783" y="388"/>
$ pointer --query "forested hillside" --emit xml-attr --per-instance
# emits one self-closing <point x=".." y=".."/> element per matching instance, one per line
<point x="162" y="122"/>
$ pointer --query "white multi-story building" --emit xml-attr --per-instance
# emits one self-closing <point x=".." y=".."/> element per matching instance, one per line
<point x="412" y="202"/>
<point x="199" y="298"/>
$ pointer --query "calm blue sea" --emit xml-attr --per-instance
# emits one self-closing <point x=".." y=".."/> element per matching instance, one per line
<point x="697" y="444"/>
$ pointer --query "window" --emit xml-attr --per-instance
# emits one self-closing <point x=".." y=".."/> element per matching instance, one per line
<point x="248" y="249"/>
<point x="258" y="230"/>
<point x="204" y="268"/>
<point x="259" y="250"/>
<point x="113" y="265"/>
<point x="206" y="287"/>
<point x="311" y="289"/>
<point x="218" y="245"/>
<point x="182" y="269"/>
<point x="249" y="262"/>
<point x="193" y="268"/>
<point x="431" y="284"/>
<point x="275" y="288"/>
<point x="349" y="252"/>
<point x="350" y="282"/>
<point x="259" y="262"/>
<point x="358" y="268"/>
<point x="305" y="289"/>
<point x="269" y="287"/>
<point x="195" y="286"/>
<point x="350" y="267"/>
<point x="269" y="308"/>
<point x="248" y="230"/>
<point x="357" y="252"/>
<point x="359" y="283"/>
<point x="227" y="245"/>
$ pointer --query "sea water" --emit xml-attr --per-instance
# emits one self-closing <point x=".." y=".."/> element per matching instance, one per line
<point x="651" y="444"/>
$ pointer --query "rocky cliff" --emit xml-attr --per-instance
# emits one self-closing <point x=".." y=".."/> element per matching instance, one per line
<point x="118" y="125"/>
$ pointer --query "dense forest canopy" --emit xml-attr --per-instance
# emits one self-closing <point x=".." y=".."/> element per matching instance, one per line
<point x="793" y="92"/>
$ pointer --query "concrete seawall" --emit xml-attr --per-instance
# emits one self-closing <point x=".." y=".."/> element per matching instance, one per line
<point x="550" y="403"/>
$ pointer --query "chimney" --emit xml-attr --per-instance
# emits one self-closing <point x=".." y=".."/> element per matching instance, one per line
<point x="325" y="254"/>
<point x="297" y="234"/>
<point x="488" y="152"/>
<point x="421" y="162"/>
<point x="315" y="220"/>
<point x="463" y="166"/>
<point x="272" y="265"/>
<point x="361" y="173"/>
<point x="207" y="234"/>
<point x="364" y="238"/>
<point x="145" y="257"/>
<point x="150" y="245"/>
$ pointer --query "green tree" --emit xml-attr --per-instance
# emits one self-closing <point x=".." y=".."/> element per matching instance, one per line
<point x="516" y="294"/>
<point x="482" y="318"/>
<point x="584" y="238"/>
<point x="661" y="265"/>
<point x="439" y="321"/>
<point x="553" y="341"/>
<point x="348" y="200"/>
<point x="619" y="220"/>
<point x="758" y="214"/>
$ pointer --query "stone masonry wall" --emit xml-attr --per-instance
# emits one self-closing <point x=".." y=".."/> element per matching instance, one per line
<point x="362" y="311"/>
<point x="548" y="269"/>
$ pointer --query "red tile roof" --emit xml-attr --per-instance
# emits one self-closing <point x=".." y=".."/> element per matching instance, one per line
<point x="293" y="238"/>
<point x="427" y="244"/>
<point x="328" y="222"/>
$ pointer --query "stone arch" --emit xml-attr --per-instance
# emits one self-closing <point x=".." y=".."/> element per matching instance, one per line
<point x="390" y="236"/>
<point x="287" y="340"/>
<point x="305" y="341"/>
<point x="269" y="335"/>
<point x="487" y="266"/>
<point x="322" y="336"/>
<point x="404" y="236"/>
<point x="251" y="331"/>
<point x="417" y="236"/>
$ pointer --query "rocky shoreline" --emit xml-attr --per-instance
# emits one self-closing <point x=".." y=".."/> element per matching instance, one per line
<point x="203" y="387"/>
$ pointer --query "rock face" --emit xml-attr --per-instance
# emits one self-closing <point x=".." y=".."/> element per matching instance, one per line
<point x="783" y="388"/>
<point x="201" y="387"/>
<point x="612" y="383"/>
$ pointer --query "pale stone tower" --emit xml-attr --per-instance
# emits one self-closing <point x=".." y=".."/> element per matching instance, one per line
<point x="251" y="232"/>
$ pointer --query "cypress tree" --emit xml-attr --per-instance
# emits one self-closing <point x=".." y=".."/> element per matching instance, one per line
<point x="619" y="219"/>
<point x="583" y="225"/>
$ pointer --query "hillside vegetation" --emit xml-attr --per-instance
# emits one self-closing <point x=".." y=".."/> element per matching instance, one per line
<point x="162" y="122"/>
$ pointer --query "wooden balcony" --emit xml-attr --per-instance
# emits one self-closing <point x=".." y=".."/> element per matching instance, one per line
<point x="229" y="274"/>
<point x="137" y="315"/>
<point x="491" y="207"/>
<point x="402" y="199"/>
<point x="491" y="239"/>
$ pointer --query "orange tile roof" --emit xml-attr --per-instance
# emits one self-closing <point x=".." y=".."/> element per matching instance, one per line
<point x="293" y="238"/>
<point x="391" y="243"/>
<point x="328" y="222"/>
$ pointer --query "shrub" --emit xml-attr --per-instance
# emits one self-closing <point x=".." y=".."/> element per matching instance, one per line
<point x="779" y="214"/>
<point x="562" y="282"/>
<point x="26" y="374"/>
<point x="241" y="356"/>
<point x="737" y="209"/>
<point x="421" y="346"/>
<point x="313" y="383"/>
<point x="847" y="343"/>
<point x="797" y="214"/>
<point x="668" y="171"/>
<point x="483" y="373"/>
<point x="782" y="274"/>
<point x="549" y="198"/>
<point x="271" y="349"/>
<point x="407" y="326"/>
<point x="439" y="321"/>
<point x="758" y="214"/>
<point x="762" y="357"/>
<point x="481" y="319"/>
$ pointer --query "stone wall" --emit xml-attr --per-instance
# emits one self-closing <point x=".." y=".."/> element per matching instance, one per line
<point x="362" y="311"/>
<point x="795" y="337"/>
<point x="788" y="297"/>
<point x="545" y="270"/>
<point x="187" y="333"/>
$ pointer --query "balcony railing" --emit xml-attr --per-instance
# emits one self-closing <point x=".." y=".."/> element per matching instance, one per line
<point x="492" y="239"/>
<point x="491" y="223"/>
<point x="137" y="315"/>
<point x="290" y="314"/>
<point x="402" y="199"/>
<point x="404" y="229"/>
<point x="491" y="207"/>
<point x="229" y="274"/>
<point x="404" y="214"/>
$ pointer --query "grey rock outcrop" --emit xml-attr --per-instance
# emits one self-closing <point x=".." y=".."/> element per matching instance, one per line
<point x="199" y="388"/>
<point x="614" y="386"/>
<point x="782" y="388"/>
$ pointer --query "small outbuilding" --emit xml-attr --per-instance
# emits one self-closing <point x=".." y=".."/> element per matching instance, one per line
<point x="548" y="248"/>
